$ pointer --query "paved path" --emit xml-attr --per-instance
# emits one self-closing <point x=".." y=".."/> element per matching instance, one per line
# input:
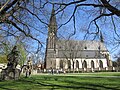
<point x="81" y="75"/>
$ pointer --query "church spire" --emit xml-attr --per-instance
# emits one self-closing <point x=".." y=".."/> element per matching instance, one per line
<point x="52" y="30"/>
<point x="53" y="18"/>
<point x="101" y="37"/>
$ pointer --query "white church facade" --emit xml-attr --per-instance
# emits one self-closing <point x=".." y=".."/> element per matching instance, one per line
<point x="73" y="54"/>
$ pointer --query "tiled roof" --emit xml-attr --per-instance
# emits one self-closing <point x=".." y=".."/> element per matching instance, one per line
<point x="80" y="45"/>
<point x="77" y="49"/>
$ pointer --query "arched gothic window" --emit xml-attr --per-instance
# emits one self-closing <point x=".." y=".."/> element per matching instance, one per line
<point x="77" y="64"/>
<point x="92" y="64"/>
<point x="100" y="64"/>
<point x="84" y="64"/>
<point x="61" y="64"/>
<point x="69" y="64"/>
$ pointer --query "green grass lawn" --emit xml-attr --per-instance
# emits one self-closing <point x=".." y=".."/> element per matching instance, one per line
<point x="82" y="81"/>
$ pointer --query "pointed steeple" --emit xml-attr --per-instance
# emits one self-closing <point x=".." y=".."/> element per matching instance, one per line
<point x="52" y="30"/>
<point x="101" y="37"/>
<point x="53" y="18"/>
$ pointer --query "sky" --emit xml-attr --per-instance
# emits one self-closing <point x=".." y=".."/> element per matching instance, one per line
<point x="83" y="17"/>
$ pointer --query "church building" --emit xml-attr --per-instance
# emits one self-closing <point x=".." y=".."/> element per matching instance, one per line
<point x="73" y="54"/>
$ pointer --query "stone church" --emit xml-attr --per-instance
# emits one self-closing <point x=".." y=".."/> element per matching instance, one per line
<point x="73" y="54"/>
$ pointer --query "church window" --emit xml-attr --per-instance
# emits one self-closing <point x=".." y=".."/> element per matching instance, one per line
<point x="99" y="48"/>
<point x="100" y="64"/>
<point x="50" y="29"/>
<point x="85" y="47"/>
<point x="61" y="64"/>
<point x="77" y="64"/>
<point x="84" y="64"/>
<point x="108" y="63"/>
<point x="60" y="47"/>
<point x="86" y="55"/>
<point x="73" y="47"/>
<point x="69" y="64"/>
<point x="92" y="64"/>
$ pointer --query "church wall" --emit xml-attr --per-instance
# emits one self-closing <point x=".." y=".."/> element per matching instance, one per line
<point x="51" y="63"/>
<point x="58" y="63"/>
<point x="104" y="63"/>
<point x="88" y="61"/>
<point x="57" y="50"/>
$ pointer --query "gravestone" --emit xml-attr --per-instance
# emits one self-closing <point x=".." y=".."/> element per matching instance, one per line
<point x="11" y="72"/>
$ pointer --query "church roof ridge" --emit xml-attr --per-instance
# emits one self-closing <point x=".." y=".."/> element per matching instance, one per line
<point x="92" y="44"/>
<point x="79" y="40"/>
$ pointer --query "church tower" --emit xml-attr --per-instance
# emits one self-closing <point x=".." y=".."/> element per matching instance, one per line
<point x="52" y="31"/>
<point x="51" y="42"/>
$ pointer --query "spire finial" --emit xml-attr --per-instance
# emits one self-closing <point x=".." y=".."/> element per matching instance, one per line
<point x="101" y="37"/>
<point x="53" y="5"/>
<point x="53" y="17"/>
<point x="53" y="11"/>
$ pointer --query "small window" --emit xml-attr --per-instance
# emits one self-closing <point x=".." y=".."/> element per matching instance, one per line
<point x="99" y="47"/>
<point x="86" y="55"/>
<point x="85" y="47"/>
<point x="60" y="47"/>
<point x="73" y="47"/>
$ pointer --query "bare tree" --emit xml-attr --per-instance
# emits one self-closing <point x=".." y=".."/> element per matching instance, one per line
<point x="116" y="63"/>
<point x="18" y="17"/>
<point x="70" y="51"/>
<point x="99" y="13"/>
<point x="30" y="17"/>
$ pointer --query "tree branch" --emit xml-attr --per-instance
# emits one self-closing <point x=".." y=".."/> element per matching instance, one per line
<point x="111" y="8"/>
<point x="8" y="6"/>
<point x="34" y="15"/>
<point x="4" y="5"/>
<point x="27" y="35"/>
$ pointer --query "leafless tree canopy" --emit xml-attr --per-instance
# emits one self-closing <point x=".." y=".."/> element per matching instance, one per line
<point x="28" y="19"/>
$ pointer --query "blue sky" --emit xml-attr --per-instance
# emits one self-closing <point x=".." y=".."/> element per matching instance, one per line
<point x="83" y="17"/>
